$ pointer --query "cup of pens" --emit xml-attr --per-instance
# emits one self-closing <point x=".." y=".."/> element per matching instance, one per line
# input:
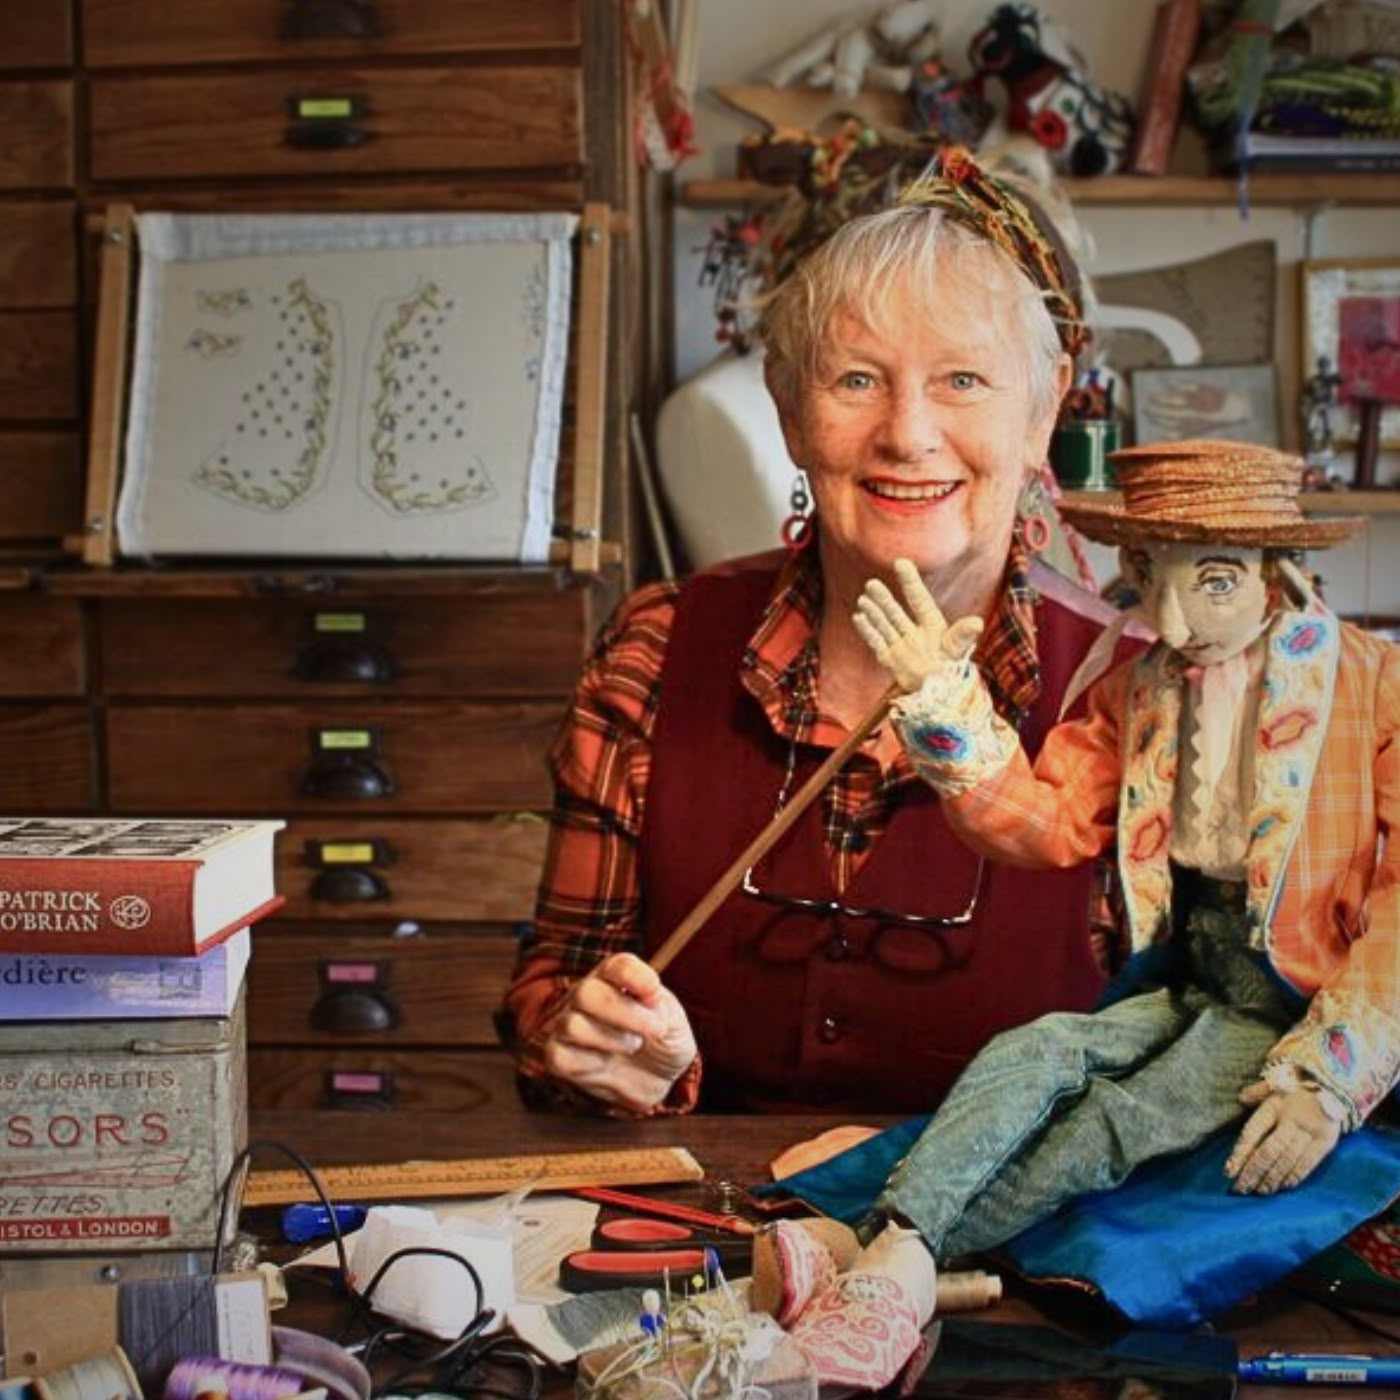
<point x="1079" y="452"/>
<point x="1087" y="433"/>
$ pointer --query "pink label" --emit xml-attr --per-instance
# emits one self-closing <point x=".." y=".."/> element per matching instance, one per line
<point x="352" y="972"/>
<point x="350" y="1082"/>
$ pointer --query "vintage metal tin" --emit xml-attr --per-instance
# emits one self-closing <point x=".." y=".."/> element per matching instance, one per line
<point x="116" y="1136"/>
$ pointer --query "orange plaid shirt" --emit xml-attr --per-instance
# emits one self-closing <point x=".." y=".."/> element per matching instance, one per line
<point x="591" y="901"/>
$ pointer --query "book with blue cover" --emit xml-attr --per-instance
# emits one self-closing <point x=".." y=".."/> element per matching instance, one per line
<point x="74" y="987"/>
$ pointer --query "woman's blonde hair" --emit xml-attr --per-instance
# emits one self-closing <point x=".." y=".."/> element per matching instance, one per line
<point x="874" y="259"/>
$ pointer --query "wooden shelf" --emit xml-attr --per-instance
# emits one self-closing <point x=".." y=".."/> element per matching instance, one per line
<point x="1126" y="190"/>
<point x="1313" y="502"/>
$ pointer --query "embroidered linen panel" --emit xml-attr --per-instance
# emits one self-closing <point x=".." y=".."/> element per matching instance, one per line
<point x="362" y="386"/>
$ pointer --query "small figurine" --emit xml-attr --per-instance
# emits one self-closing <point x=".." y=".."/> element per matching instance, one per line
<point x="1248" y="769"/>
<point x="1321" y="391"/>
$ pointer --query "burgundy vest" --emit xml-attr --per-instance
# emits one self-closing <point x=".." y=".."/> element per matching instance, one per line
<point x="797" y="1010"/>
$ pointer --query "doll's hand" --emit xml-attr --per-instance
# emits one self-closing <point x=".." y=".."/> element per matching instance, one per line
<point x="911" y="647"/>
<point x="1286" y="1137"/>
<point x="621" y="1036"/>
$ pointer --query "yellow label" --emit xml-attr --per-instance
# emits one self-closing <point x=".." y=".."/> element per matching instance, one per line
<point x="339" y="622"/>
<point x="345" y="739"/>
<point x="346" y="853"/>
<point x="309" y="107"/>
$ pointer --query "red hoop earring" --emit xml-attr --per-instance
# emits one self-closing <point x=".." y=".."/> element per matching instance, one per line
<point x="797" y="530"/>
<point x="1035" y="533"/>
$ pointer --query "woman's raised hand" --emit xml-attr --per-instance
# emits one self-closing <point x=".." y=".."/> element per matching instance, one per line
<point x="911" y="644"/>
<point x="622" y="1036"/>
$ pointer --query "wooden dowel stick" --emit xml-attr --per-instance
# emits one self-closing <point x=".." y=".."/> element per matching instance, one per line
<point x="769" y="836"/>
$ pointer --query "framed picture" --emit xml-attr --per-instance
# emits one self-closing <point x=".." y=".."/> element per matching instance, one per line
<point x="1351" y="317"/>
<point x="1237" y="402"/>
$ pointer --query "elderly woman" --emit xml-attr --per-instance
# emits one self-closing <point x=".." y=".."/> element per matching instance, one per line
<point x="917" y="360"/>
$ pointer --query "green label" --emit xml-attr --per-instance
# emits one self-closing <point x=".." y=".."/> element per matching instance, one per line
<point x="345" y="739"/>
<point x="334" y="108"/>
<point x="339" y="622"/>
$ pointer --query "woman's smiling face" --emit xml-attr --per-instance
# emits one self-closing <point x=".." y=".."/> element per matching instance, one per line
<point x="919" y="427"/>
<point x="1206" y="601"/>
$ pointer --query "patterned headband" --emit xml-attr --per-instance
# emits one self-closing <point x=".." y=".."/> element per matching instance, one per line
<point x="1012" y="223"/>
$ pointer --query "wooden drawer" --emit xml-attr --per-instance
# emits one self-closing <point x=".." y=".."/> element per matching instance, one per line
<point x="348" y="990"/>
<point x="421" y="1081"/>
<point x="41" y="485"/>
<point x="41" y="646"/>
<point x="464" y="871"/>
<point x="258" y="758"/>
<point x="120" y="33"/>
<point x="36" y="35"/>
<point x="495" y="642"/>
<point x="38" y="365"/>
<point x="47" y="759"/>
<point x="37" y="119"/>
<point x="412" y="119"/>
<point x="38" y="255"/>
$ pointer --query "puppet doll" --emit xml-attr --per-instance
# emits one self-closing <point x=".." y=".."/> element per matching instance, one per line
<point x="1248" y="768"/>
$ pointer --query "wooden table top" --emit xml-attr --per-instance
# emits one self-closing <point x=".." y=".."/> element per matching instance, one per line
<point x="738" y="1148"/>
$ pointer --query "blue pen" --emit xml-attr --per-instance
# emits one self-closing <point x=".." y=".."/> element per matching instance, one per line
<point x="301" y="1223"/>
<point x="1297" y="1368"/>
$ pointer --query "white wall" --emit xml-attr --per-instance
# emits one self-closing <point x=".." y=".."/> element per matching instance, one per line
<point x="737" y="38"/>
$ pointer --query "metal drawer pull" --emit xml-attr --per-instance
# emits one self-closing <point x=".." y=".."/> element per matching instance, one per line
<point x="343" y="661"/>
<point x="354" y="999"/>
<point x="345" y="766"/>
<point x="349" y="884"/>
<point x="329" y="19"/>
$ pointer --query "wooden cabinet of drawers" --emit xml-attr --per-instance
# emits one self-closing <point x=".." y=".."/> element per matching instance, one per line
<point x="408" y="864"/>
<point x="398" y="717"/>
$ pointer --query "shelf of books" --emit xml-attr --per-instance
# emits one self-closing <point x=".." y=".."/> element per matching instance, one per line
<point x="1313" y="502"/>
<point x="1130" y="190"/>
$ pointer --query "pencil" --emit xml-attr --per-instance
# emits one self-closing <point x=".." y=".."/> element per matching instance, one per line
<point x="669" y="1210"/>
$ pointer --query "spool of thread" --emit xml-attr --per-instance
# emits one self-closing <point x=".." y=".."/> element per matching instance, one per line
<point x="195" y="1376"/>
<point x="320" y="1361"/>
<point x="964" y="1292"/>
<point x="104" y="1377"/>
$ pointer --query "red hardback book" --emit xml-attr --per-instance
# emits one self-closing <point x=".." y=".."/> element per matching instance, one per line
<point x="130" y="885"/>
<point x="1175" y="29"/>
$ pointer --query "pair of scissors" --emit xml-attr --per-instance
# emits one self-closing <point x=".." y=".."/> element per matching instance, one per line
<point x="631" y="1251"/>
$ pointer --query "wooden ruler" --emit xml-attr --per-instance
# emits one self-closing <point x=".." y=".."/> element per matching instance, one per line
<point x="481" y="1176"/>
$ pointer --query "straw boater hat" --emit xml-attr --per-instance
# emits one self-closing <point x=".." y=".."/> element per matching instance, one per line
<point x="1203" y="491"/>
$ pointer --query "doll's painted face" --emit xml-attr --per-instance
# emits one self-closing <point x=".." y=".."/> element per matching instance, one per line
<point x="1206" y="601"/>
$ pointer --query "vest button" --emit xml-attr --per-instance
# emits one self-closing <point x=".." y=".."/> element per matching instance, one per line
<point x="837" y="949"/>
<point x="830" y="1030"/>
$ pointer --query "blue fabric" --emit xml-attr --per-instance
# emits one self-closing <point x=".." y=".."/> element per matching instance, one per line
<point x="845" y="1186"/>
<point x="1208" y="1248"/>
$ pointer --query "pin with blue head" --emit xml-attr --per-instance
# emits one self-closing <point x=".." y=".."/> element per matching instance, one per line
<point x="653" y="1319"/>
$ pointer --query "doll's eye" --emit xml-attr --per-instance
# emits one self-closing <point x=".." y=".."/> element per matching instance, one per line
<point x="1219" y="585"/>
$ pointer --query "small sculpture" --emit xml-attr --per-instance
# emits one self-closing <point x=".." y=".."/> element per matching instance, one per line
<point x="1086" y="128"/>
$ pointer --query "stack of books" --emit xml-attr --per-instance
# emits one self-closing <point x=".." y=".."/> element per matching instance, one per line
<point x="129" y="919"/>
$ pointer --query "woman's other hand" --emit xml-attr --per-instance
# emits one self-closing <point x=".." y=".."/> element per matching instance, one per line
<point x="621" y="1036"/>
<point x="911" y="644"/>
<point x="1287" y="1135"/>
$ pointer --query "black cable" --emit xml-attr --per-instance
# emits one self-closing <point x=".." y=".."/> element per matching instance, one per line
<point x="237" y="1172"/>
<point x="449" y="1367"/>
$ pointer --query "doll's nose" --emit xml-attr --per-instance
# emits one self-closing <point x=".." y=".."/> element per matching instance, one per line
<point x="1168" y="620"/>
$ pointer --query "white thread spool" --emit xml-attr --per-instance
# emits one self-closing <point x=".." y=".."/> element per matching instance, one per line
<point x="107" y="1377"/>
